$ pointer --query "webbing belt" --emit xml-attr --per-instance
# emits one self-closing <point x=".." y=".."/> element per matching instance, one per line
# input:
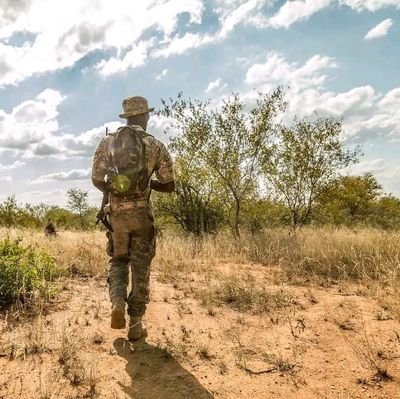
<point x="125" y="205"/>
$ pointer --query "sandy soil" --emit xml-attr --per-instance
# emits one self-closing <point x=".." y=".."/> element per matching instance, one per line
<point x="329" y="344"/>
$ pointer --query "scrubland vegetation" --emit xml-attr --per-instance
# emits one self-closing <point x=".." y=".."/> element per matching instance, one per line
<point x="342" y="280"/>
<point x="276" y="274"/>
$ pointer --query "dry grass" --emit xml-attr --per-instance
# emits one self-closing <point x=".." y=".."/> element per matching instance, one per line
<point x="370" y="355"/>
<point x="190" y="264"/>
<point x="326" y="253"/>
<point x="245" y="295"/>
<point x="243" y="308"/>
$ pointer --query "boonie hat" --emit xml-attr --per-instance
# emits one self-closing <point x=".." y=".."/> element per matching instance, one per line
<point x="135" y="106"/>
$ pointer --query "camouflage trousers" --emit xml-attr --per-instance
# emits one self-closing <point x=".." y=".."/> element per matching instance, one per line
<point x="132" y="248"/>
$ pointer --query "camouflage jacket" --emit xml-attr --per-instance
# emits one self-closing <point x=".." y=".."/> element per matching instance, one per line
<point x="159" y="161"/>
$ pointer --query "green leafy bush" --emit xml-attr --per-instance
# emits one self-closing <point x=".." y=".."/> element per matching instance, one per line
<point x="25" y="272"/>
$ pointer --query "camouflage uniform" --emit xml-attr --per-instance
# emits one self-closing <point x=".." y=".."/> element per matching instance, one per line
<point x="133" y="239"/>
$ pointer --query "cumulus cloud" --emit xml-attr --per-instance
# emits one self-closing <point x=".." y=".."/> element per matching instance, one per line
<point x="77" y="28"/>
<point x="162" y="74"/>
<point x="31" y="122"/>
<point x="133" y="58"/>
<point x="366" y="113"/>
<point x="386" y="174"/>
<point x="159" y="128"/>
<point x="6" y="178"/>
<point x="298" y="10"/>
<point x="52" y="197"/>
<point x="293" y="11"/>
<point x="370" y="5"/>
<point x="10" y="10"/>
<point x="231" y="17"/>
<point x="84" y="144"/>
<point x="72" y="175"/>
<point x="55" y="197"/>
<point x="32" y="130"/>
<point x="179" y="45"/>
<point x="14" y="165"/>
<point x="379" y="30"/>
<point x="116" y="29"/>
<point x="213" y="85"/>
<point x="277" y="70"/>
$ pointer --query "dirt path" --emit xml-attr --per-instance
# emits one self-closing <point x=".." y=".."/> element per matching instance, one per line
<point x="330" y="344"/>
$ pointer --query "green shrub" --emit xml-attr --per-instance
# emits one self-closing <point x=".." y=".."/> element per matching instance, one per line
<point x="25" y="272"/>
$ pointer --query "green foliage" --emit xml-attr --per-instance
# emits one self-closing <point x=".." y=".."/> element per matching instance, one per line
<point x="226" y="142"/>
<point x="302" y="160"/>
<point x="196" y="205"/>
<point x="348" y="200"/>
<point x="13" y="215"/>
<point x="386" y="213"/>
<point x="24" y="271"/>
<point x="261" y="213"/>
<point x="78" y="203"/>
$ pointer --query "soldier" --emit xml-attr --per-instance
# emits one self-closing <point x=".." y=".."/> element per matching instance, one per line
<point x="123" y="165"/>
<point x="50" y="230"/>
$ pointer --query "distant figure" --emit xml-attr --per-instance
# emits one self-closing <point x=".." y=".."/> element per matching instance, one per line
<point x="50" y="230"/>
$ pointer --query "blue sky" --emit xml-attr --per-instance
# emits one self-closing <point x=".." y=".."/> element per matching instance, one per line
<point x="65" y="67"/>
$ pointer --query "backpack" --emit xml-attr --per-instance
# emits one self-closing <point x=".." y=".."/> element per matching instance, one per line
<point x="128" y="172"/>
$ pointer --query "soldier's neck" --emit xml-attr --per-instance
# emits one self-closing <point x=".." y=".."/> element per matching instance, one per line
<point x="143" y="125"/>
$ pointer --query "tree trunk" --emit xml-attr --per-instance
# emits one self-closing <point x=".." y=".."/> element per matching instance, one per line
<point x="237" y="218"/>
<point x="294" y="220"/>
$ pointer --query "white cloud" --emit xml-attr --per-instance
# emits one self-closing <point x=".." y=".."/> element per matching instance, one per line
<point x="72" y="175"/>
<point x="375" y="166"/>
<point x="380" y="30"/>
<point x="84" y="144"/>
<point x="158" y="125"/>
<point x="386" y="174"/>
<point x="236" y="15"/>
<point x="77" y="28"/>
<point x="134" y="58"/>
<point x="6" y="178"/>
<point x="366" y="113"/>
<point x="278" y="71"/>
<point x="391" y="101"/>
<point x="162" y="74"/>
<point x="293" y="11"/>
<point x="10" y="11"/>
<point x="31" y="122"/>
<point x="298" y="10"/>
<point x="230" y="14"/>
<point x="14" y="165"/>
<point x="54" y="197"/>
<point x="213" y="85"/>
<point x="370" y="5"/>
<point x="179" y="45"/>
<point x="32" y="130"/>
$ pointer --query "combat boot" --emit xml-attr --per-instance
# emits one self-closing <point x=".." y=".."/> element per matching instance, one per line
<point x="118" y="314"/>
<point x="137" y="329"/>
